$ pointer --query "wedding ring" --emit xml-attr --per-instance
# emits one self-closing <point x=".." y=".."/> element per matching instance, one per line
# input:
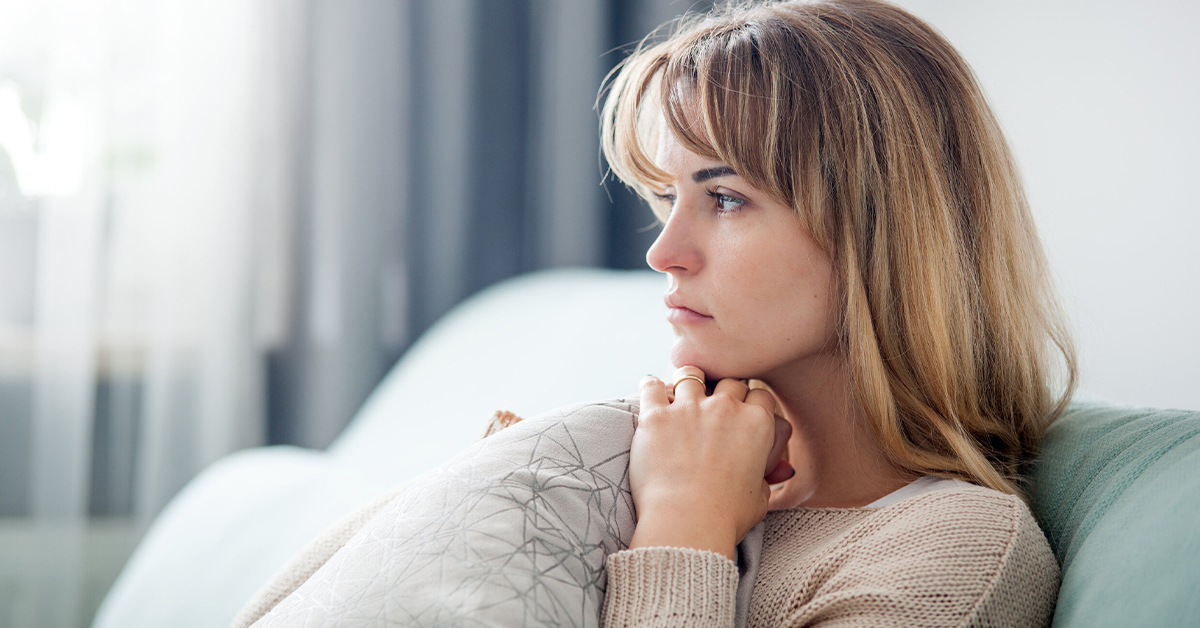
<point x="680" y="380"/>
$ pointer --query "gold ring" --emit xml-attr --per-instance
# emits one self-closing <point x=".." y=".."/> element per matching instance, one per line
<point x="680" y="380"/>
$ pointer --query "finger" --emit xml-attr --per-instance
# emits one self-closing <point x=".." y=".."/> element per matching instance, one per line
<point x="761" y="397"/>
<point x="652" y="392"/>
<point x="689" y="383"/>
<point x="783" y="434"/>
<point x="781" y="473"/>
<point x="775" y="472"/>
<point x="735" y="388"/>
<point x="688" y="369"/>
<point x="778" y="468"/>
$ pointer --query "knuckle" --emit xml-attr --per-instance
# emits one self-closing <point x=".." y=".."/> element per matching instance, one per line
<point x="655" y="417"/>
<point x="723" y="405"/>
<point x="650" y="416"/>
<point x="762" y="420"/>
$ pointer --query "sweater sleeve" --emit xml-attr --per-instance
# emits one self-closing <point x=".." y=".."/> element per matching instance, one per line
<point x="1025" y="588"/>
<point x="661" y="587"/>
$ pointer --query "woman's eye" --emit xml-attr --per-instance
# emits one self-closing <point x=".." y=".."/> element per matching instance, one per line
<point x="726" y="204"/>
<point x="666" y="198"/>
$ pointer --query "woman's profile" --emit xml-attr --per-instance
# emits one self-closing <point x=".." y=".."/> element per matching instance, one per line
<point x="842" y="221"/>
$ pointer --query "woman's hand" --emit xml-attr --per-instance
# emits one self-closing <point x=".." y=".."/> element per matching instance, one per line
<point x="699" y="463"/>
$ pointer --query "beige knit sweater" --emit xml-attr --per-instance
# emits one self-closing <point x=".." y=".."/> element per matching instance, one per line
<point x="955" y="557"/>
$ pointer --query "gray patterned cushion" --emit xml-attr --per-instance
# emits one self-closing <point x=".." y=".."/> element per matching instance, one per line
<point x="514" y="531"/>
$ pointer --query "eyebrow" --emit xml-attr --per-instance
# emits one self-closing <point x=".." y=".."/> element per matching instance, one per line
<point x="700" y="176"/>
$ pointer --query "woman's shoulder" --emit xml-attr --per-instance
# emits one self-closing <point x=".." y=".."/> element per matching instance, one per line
<point x="958" y="556"/>
<point x="987" y="515"/>
<point x="966" y="526"/>
<point x="964" y="508"/>
<point x="990" y="546"/>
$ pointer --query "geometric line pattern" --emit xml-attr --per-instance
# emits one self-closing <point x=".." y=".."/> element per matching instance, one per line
<point x="513" y="531"/>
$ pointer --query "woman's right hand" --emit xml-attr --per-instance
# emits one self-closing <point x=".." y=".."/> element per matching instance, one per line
<point x="700" y="464"/>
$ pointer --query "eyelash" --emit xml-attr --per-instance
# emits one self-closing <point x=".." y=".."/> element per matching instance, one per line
<point x="716" y="196"/>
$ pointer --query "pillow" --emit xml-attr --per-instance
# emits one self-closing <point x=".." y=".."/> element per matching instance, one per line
<point x="1117" y="491"/>
<point x="514" y="531"/>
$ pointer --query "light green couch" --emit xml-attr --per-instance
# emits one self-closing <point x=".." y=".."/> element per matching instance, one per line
<point x="1117" y="491"/>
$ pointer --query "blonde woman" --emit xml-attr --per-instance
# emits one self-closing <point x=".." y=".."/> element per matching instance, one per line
<point x="842" y="222"/>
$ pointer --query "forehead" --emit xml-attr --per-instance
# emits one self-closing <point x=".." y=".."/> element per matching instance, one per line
<point x="673" y="157"/>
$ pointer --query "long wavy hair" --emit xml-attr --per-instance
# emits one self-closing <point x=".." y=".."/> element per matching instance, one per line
<point x="870" y="125"/>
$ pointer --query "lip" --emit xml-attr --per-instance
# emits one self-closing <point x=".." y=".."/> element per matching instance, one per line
<point x="680" y="314"/>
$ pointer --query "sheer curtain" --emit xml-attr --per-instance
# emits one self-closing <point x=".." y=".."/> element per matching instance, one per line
<point x="221" y="221"/>
<point x="139" y="221"/>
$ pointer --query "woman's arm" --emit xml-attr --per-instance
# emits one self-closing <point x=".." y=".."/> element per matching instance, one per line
<point x="697" y="474"/>
<point x="656" y="587"/>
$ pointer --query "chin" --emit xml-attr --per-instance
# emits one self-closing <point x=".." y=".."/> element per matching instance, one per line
<point x="715" y="365"/>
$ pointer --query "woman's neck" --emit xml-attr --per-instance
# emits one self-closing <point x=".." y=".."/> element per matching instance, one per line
<point x="838" y="461"/>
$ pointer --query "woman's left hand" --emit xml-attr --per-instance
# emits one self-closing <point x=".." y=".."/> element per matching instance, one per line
<point x="699" y="463"/>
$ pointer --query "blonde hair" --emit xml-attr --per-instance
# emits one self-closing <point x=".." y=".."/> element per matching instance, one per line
<point x="866" y="121"/>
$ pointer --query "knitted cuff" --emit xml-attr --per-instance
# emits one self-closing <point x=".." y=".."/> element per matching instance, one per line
<point x="669" y="586"/>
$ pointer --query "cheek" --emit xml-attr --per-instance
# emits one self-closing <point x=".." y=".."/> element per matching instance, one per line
<point x="787" y="299"/>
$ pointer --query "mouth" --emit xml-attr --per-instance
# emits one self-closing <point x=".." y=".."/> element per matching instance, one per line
<point x="680" y="314"/>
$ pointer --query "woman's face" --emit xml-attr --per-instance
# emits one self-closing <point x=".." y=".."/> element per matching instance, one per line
<point x="751" y="294"/>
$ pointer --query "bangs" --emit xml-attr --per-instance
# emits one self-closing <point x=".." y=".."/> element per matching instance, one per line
<point x="727" y="92"/>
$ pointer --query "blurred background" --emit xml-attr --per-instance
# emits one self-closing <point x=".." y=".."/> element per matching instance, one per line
<point x="221" y="221"/>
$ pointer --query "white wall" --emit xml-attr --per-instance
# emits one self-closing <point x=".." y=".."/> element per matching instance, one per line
<point x="1101" y="103"/>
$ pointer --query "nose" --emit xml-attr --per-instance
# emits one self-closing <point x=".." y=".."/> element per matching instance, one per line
<point x="675" y="249"/>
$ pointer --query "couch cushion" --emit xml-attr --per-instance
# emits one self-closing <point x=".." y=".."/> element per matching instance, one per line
<point x="1117" y="491"/>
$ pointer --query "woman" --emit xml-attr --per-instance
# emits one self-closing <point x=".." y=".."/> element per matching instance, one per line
<point x="843" y="222"/>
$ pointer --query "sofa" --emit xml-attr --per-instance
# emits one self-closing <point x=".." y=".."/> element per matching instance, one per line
<point x="1117" y="489"/>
